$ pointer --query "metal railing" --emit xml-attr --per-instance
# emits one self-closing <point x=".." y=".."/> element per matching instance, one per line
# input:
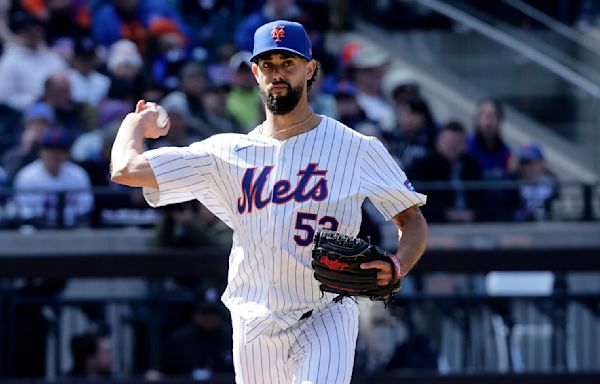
<point x="121" y="208"/>
<point x="547" y="99"/>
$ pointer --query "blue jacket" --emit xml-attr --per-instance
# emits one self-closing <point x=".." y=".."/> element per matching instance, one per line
<point x="494" y="164"/>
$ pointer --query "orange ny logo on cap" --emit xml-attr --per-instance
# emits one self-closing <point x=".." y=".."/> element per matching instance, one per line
<point x="278" y="34"/>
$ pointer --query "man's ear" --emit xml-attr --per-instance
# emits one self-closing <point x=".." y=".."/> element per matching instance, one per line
<point x="311" y="67"/>
<point x="255" y="70"/>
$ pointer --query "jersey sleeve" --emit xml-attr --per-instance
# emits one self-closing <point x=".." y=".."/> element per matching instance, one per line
<point x="385" y="183"/>
<point x="181" y="173"/>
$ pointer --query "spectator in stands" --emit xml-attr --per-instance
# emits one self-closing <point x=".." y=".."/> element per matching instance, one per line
<point x="414" y="134"/>
<point x="130" y="20"/>
<point x="487" y="144"/>
<point x="538" y="187"/>
<point x="69" y="114"/>
<point x="39" y="117"/>
<point x="125" y="70"/>
<point x="449" y="163"/>
<point x="37" y="185"/>
<point x="349" y="112"/>
<point x="321" y="102"/>
<point x="154" y="92"/>
<point x="26" y="63"/>
<point x="214" y="23"/>
<point x="87" y="84"/>
<point x="203" y="347"/>
<point x="366" y="66"/>
<point x="218" y="118"/>
<point x="272" y="10"/>
<point x="244" y="102"/>
<point x="167" y="52"/>
<point x="498" y="203"/>
<point x="92" y="356"/>
<point x="88" y="145"/>
<point x="189" y="225"/>
<point x="119" y="206"/>
<point x="219" y="71"/>
<point x="191" y="92"/>
<point x="11" y="124"/>
<point x="92" y="151"/>
<point x="64" y="19"/>
<point x="400" y="86"/>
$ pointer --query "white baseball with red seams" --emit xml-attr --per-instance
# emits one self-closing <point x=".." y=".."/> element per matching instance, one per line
<point x="274" y="195"/>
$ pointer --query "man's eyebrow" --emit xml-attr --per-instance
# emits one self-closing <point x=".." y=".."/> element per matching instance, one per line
<point x="284" y="56"/>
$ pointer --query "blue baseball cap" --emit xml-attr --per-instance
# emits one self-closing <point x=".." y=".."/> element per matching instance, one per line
<point x="57" y="138"/>
<point x="530" y="152"/>
<point x="282" y="35"/>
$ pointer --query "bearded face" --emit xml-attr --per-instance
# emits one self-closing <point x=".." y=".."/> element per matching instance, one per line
<point x="281" y="104"/>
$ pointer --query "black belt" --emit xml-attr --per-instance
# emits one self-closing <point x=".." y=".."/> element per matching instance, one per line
<point x="306" y="315"/>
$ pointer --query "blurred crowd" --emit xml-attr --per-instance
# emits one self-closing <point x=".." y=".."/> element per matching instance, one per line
<point x="70" y="70"/>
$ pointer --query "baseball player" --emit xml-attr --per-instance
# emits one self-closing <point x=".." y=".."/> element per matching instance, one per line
<point x="275" y="186"/>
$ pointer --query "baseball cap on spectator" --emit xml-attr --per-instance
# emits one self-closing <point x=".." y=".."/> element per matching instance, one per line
<point x="21" y="19"/>
<point x="57" y="138"/>
<point x="39" y="111"/>
<point x="530" y="152"/>
<point x="161" y="26"/>
<point x="282" y="35"/>
<point x="123" y="52"/>
<point x="363" y="56"/>
<point x="85" y="48"/>
<point x="345" y="88"/>
<point x="207" y="301"/>
<point x="399" y="81"/>
<point x="238" y="59"/>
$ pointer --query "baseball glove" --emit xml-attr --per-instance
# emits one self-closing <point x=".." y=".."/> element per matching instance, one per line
<point x="336" y="260"/>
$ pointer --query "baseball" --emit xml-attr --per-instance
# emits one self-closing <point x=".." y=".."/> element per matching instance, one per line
<point x="163" y="117"/>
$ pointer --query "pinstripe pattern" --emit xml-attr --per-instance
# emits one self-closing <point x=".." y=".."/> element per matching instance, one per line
<point x="274" y="194"/>
<point x="310" y="351"/>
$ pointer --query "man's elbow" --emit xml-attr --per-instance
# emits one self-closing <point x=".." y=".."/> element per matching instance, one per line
<point x="122" y="176"/>
<point x="133" y="178"/>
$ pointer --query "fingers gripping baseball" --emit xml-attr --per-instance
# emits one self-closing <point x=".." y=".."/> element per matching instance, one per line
<point x="155" y="122"/>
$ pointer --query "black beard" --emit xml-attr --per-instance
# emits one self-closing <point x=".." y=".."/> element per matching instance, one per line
<point x="281" y="105"/>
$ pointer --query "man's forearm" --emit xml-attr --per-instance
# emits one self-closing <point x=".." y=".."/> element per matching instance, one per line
<point x="413" y="240"/>
<point x="128" y="164"/>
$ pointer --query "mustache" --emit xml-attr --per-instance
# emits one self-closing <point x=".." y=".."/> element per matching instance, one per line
<point x="281" y="82"/>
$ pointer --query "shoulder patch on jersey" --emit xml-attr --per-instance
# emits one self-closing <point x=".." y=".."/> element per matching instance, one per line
<point x="409" y="185"/>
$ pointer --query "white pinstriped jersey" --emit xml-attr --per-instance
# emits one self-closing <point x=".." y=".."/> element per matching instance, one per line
<point x="274" y="194"/>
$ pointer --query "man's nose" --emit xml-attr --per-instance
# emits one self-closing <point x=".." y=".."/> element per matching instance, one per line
<point x="277" y="74"/>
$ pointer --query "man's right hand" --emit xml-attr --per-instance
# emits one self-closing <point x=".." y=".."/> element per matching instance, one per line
<point x="129" y="165"/>
<point x="146" y="115"/>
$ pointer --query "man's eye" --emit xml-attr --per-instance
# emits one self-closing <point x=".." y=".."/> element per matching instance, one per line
<point x="288" y="63"/>
<point x="266" y="65"/>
